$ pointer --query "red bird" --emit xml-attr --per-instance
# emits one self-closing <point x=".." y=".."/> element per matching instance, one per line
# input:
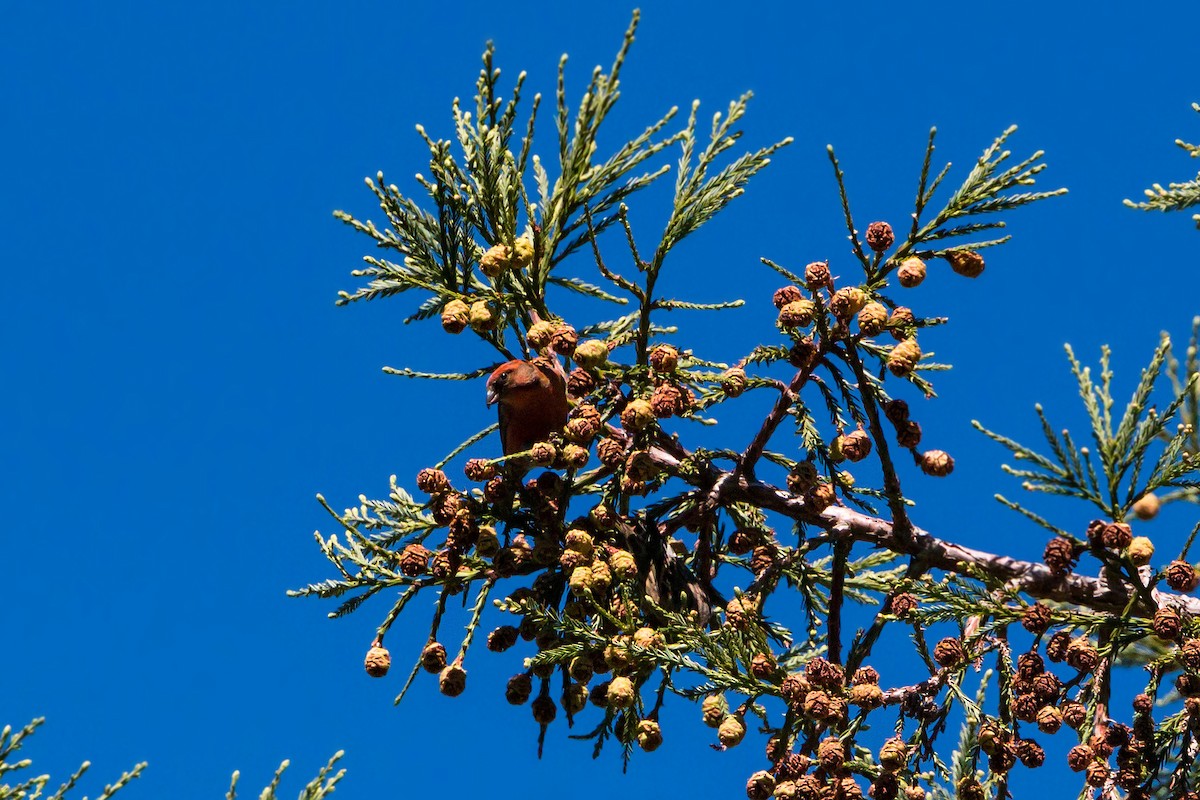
<point x="532" y="400"/>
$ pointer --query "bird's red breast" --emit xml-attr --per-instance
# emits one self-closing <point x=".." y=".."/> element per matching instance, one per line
<point x="532" y="402"/>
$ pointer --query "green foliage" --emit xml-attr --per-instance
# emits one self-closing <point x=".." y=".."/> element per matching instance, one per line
<point x="1177" y="196"/>
<point x="319" y="787"/>
<point x="35" y="788"/>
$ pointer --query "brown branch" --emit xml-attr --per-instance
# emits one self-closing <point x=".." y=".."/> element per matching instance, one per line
<point x="787" y="396"/>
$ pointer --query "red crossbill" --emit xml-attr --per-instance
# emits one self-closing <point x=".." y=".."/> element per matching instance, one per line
<point x="532" y="401"/>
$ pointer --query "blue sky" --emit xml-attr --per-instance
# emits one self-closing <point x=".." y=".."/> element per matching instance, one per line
<point x="179" y="384"/>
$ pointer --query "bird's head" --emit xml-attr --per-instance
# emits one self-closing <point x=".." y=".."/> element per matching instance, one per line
<point x="508" y="376"/>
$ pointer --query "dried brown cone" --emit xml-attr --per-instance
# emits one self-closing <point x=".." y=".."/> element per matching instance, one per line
<point x="904" y="357"/>
<point x="824" y="673"/>
<point x="886" y="786"/>
<point x="1167" y="624"/>
<point x="1049" y="719"/>
<point x="1031" y="753"/>
<point x="414" y="560"/>
<point x="865" y="675"/>
<point x="1074" y="714"/>
<point x="637" y="415"/>
<point x="1030" y="665"/>
<point x="866" y="695"/>
<point x="785" y="295"/>
<point x="872" y="318"/>
<point x="1059" y="556"/>
<point x="1081" y="655"/>
<point x="897" y="411"/>
<point x="495" y="261"/>
<point x="967" y="263"/>
<point x="1146" y="507"/>
<point x="804" y="353"/>
<point x="564" y="340"/>
<point x="760" y="786"/>
<point x="544" y="710"/>
<point x="911" y="272"/>
<point x="733" y="382"/>
<point x="903" y="604"/>
<point x="1098" y="773"/>
<point x="665" y="358"/>
<point x="893" y="755"/>
<point x="1026" y="707"/>
<point x="763" y="559"/>
<point x="794" y="689"/>
<point x="797" y="314"/>
<point x="817" y="276"/>
<point x="455" y="316"/>
<point x="908" y="434"/>
<point x="1181" y="576"/>
<point x="853" y="446"/>
<point x="1188" y="654"/>
<point x="433" y="482"/>
<point x="1116" y="536"/>
<point x="502" y="638"/>
<point x="902" y="323"/>
<point x="949" y="652"/>
<point x="1143" y="703"/>
<point x="969" y="789"/>
<point x="433" y="657"/>
<point x="518" y="689"/>
<point x="937" y="463"/>
<point x="831" y="754"/>
<point x="649" y="735"/>
<point x="713" y="710"/>
<point x="731" y="731"/>
<point x="847" y="302"/>
<point x="580" y="382"/>
<point x="453" y="680"/>
<point x="1036" y="618"/>
<point x="611" y="452"/>
<point x="479" y="470"/>
<point x="1047" y="687"/>
<point x="1080" y="757"/>
<point x="880" y="236"/>
<point x="377" y="662"/>
<point x="666" y="401"/>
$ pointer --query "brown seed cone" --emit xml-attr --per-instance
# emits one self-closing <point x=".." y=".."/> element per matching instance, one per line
<point x="1188" y="654"/>
<point x="855" y="446"/>
<point x="479" y="470"/>
<point x="564" y="340"/>
<point x="885" y="787"/>
<point x="1141" y="550"/>
<point x="908" y="434"/>
<point x="610" y="452"/>
<point x="817" y="276"/>
<point x="1026" y="707"/>
<point x="831" y="754"/>
<point x="872" y="318"/>
<point x="414" y="559"/>
<point x="544" y="710"/>
<point x="713" y="710"/>
<point x="1187" y="685"/>
<point x="949" y="652"/>
<point x="893" y="755"/>
<point x="880" y="236"/>
<point x="1146" y="507"/>
<point x="865" y="675"/>
<point x="495" y="261"/>
<point x="902" y="323"/>
<point x="433" y="482"/>
<point x="1059" y="557"/>
<point x="802" y="478"/>
<point x="731" y="731"/>
<point x="518" y="689"/>
<point x="1116" y="536"/>
<point x="1143" y="703"/>
<point x="665" y="358"/>
<point x="637" y="415"/>
<point x="1036" y="618"/>
<point x="866" y="695"/>
<point x="967" y="263"/>
<point x="847" y="302"/>
<point x="821" y="496"/>
<point x="803" y="354"/>
<point x="649" y="735"/>
<point x="1047" y="687"/>
<point x="377" y="662"/>
<point x="825" y="674"/>
<point x="1031" y="753"/>
<point x="797" y="314"/>
<point x="937" y="463"/>
<point x="903" y="604"/>
<point x="914" y="792"/>
<point x="760" y="786"/>
<point x="539" y="334"/>
<point x="1030" y="665"/>
<point x="1080" y="757"/>
<point x="733" y="382"/>
<point x="502" y="638"/>
<point x="433" y="657"/>
<point x="667" y="401"/>
<point x="580" y="382"/>
<point x="1049" y="719"/>
<point x="1181" y="576"/>
<point x="763" y="559"/>
<point x="1081" y="655"/>
<point x="455" y="316"/>
<point x="482" y="318"/>
<point x="904" y="357"/>
<point x="794" y="689"/>
<point x="969" y="789"/>
<point x="1097" y="774"/>
<point x="743" y="541"/>
<point x="453" y="680"/>
<point x="786" y="295"/>
<point x="1074" y="714"/>
<point x="1167" y="624"/>
<point x="911" y="272"/>
<point x="591" y="354"/>
<point x="896" y="410"/>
